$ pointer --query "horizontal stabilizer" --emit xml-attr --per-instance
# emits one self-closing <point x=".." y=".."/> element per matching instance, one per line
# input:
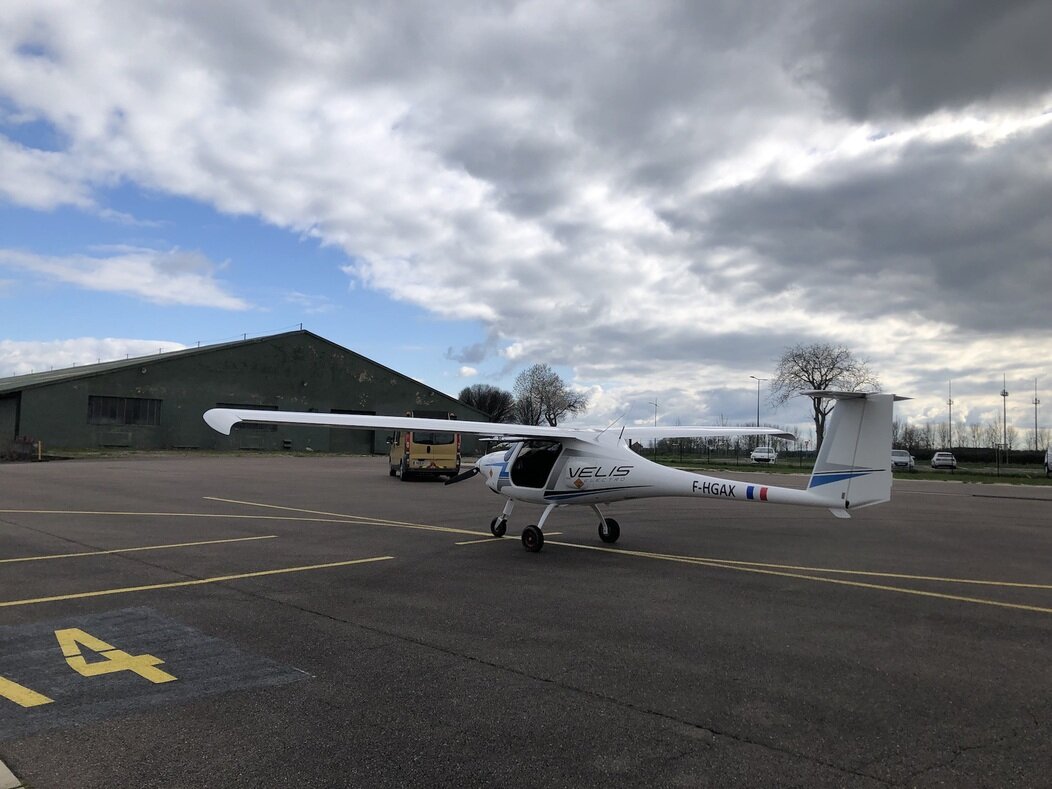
<point x="830" y="394"/>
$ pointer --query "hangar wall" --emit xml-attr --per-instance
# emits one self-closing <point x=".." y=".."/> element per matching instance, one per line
<point x="156" y="402"/>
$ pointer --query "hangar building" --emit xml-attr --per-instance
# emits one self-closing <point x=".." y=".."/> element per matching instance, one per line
<point x="156" y="402"/>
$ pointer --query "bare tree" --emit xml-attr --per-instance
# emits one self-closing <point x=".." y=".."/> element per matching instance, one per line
<point x="992" y="433"/>
<point x="820" y="366"/>
<point x="541" y="394"/>
<point x="975" y="433"/>
<point x="498" y="403"/>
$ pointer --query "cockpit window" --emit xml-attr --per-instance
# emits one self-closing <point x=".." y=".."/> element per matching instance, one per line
<point x="534" y="463"/>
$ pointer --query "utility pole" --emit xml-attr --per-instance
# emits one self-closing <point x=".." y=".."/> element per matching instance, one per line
<point x="758" y="404"/>
<point x="655" y="425"/>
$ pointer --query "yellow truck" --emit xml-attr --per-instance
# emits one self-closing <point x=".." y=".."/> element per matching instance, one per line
<point x="416" y="453"/>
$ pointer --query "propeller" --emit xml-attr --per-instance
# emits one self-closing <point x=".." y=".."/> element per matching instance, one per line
<point x="463" y="475"/>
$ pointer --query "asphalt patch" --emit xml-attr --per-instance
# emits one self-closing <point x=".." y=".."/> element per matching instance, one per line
<point x="78" y="669"/>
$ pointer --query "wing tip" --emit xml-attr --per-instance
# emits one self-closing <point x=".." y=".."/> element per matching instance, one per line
<point x="222" y="420"/>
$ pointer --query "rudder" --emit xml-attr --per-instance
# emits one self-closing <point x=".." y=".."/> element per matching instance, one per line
<point x="853" y="468"/>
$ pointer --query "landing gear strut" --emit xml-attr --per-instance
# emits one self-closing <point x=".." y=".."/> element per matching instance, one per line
<point x="532" y="536"/>
<point x="498" y="527"/>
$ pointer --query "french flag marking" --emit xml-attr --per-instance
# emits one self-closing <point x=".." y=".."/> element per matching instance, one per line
<point x="753" y="491"/>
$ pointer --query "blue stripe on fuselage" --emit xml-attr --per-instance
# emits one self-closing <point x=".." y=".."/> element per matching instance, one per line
<point x="827" y="477"/>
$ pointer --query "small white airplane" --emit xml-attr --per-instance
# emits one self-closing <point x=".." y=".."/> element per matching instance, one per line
<point x="564" y="466"/>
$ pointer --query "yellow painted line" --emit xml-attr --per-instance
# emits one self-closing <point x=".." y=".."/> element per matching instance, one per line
<point x="491" y="538"/>
<point x="862" y="573"/>
<point x="345" y="518"/>
<point x="132" y="550"/>
<point x="21" y="695"/>
<point x="817" y="578"/>
<point x="195" y="582"/>
<point x="899" y="576"/>
<point x="795" y="568"/>
<point x="220" y="516"/>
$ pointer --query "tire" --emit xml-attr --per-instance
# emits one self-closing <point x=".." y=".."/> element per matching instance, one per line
<point x="532" y="539"/>
<point x="609" y="530"/>
<point x="498" y="527"/>
<point x="403" y="471"/>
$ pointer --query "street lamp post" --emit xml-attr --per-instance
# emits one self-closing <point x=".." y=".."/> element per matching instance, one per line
<point x="655" y="425"/>
<point x="949" y="404"/>
<point x="1004" y="412"/>
<point x="1036" y="404"/>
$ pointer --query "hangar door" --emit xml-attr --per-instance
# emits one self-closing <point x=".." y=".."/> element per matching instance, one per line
<point x="352" y="442"/>
<point x="9" y="407"/>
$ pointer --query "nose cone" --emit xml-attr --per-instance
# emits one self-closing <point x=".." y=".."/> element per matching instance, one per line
<point x="491" y="466"/>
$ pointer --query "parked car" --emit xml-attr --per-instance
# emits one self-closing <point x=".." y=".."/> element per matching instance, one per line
<point x="763" y="455"/>
<point x="902" y="459"/>
<point x="1048" y="462"/>
<point x="943" y="460"/>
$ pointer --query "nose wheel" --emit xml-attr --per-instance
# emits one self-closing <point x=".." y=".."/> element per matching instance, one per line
<point x="498" y="526"/>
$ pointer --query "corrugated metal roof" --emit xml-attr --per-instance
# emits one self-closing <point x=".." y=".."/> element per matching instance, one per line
<point x="17" y="383"/>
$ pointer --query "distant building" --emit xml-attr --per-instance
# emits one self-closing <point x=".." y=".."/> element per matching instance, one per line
<point x="156" y="402"/>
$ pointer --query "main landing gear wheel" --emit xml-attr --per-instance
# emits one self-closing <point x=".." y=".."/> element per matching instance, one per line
<point x="609" y="530"/>
<point x="498" y="526"/>
<point x="532" y="539"/>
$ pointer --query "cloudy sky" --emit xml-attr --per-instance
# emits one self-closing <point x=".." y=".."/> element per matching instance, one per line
<point x="654" y="198"/>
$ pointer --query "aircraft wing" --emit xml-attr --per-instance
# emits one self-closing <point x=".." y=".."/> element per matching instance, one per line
<point x="224" y="419"/>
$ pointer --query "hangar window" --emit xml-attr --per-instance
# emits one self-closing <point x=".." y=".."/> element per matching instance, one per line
<point x="123" y="410"/>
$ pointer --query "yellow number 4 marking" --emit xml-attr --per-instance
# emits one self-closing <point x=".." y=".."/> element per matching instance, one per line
<point x="21" y="695"/>
<point x="113" y="659"/>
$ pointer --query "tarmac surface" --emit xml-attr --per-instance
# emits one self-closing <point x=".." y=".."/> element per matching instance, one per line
<point x="311" y="621"/>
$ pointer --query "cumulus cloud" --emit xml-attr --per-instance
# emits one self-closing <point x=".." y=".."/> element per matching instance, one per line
<point x="22" y="357"/>
<point x="162" y="277"/>
<point x="659" y="197"/>
<point x="310" y="304"/>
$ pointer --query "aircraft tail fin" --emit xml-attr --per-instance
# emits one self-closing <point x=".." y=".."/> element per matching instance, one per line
<point x="853" y="468"/>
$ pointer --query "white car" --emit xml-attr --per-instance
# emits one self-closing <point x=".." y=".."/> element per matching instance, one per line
<point x="902" y="459"/>
<point x="763" y="455"/>
<point x="1048" y="462"/>
<point x="943" y="460"/>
